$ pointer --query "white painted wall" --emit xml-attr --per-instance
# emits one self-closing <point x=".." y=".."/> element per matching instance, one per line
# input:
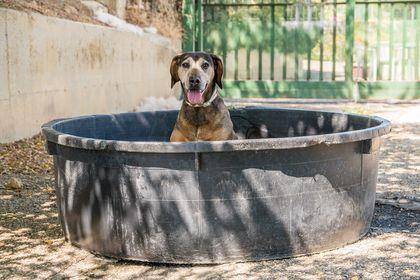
<point x="53" y="68"/>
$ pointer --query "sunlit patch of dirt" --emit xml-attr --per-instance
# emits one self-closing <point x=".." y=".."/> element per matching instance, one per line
<point x="399" y="162"/>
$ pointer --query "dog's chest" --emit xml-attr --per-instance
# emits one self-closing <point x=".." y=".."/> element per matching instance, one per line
<point x="203" y="133"/>
<point x="199" y="117"/>
<point x="201" y="124"/>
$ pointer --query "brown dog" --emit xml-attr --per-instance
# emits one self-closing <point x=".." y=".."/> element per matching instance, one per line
<point x="203" y="114"/>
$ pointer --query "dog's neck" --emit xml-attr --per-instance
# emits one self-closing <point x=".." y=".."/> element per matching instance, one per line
<point x="198" y="116"/>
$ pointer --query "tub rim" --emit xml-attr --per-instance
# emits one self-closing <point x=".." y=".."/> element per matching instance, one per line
<point x="69" y="140"/>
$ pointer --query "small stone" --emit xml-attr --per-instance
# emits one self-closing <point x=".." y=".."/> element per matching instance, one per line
<point x="95" y="6"/>
<point x="49" y="242"/>
<point x="14" y="184"/>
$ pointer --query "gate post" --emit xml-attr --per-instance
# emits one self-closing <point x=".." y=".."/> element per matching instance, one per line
<point x="350" y="4"/>
<point x="198" y="24"/>
<point x="188" y="24"/>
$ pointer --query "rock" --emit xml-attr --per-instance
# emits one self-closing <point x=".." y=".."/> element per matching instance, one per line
<point x="14" y="184"/>
<point x="407" y="203"/>
<point x="94" y="6"/>
<point x="150" y="29"/>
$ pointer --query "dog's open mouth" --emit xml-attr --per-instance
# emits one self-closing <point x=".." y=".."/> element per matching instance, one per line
<point x="196" y="96"/>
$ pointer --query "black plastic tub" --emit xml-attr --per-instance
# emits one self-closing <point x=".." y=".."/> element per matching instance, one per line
<point x="123" y="191"/>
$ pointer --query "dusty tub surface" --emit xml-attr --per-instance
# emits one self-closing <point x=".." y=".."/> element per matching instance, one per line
<point x="123" y="191"/>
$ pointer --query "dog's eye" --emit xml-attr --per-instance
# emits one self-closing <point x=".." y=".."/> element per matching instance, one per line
<point x="185" y="65"/>
<point x="205" y="65"/>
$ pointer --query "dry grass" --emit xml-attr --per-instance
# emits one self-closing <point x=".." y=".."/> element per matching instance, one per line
<point x="162" y="14"/>
<point x="67" y="9"/>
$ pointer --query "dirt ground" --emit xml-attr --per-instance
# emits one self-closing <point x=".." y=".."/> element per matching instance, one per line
<point x="31" y="243"/>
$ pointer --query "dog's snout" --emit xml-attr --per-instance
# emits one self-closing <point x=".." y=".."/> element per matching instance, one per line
<point x="194" y="81"/>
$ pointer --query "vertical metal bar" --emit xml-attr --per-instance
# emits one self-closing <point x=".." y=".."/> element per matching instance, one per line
<point x="308" y="72"/>
<point x="214" y="17"/>
<point x="321" y="44"/>
<point x="212" y="14"/>
<point x="366" y="42"/>
<point x="235" y="72"/>
<point x="188" y="25"/>
<point x="248" y="54"/>
<point x="309" y="16"/>
<point x="206" y="16"/>
<point x="378" y="44"/>
<point x="224" y="51"/>
<point x="349" y="45"/>
<point x="260" y="61"/>
<point x="223" y="15"/>
<point x="199" y="25"/>
<point x="404" y="44"/>
<point x="260" y="50"/>
<point x="272" y="39"/>
<point x="334" y="46"/>
<point x="417" y="49"/>
<point x="224" y="55"/>
<point x="284" y="34"/>
<point x="248" y="58"/>
<point x="236" y="63"/>
<point x="391" y="42"/>
<point x="210" y="10"/>
<point x="297" y="16"/>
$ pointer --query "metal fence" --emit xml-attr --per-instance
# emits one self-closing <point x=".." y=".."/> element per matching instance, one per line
<point x="323" y="49"/>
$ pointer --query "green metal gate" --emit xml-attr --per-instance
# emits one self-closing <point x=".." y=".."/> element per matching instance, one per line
<point x="310" y="49"/>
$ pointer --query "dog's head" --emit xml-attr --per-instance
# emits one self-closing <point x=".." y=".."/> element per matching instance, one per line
<point x="199" y="73"/>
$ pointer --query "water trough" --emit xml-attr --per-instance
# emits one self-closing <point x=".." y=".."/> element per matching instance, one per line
<point x="125" y="192"/>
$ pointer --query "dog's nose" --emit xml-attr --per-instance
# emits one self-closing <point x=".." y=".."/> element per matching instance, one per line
<point x="194" y="81"/>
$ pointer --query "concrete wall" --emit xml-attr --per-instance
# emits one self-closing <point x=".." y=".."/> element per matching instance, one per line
<point x="52" y="68"/>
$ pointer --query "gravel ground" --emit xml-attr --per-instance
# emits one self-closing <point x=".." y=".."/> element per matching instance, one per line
<point x="31" y="243"/>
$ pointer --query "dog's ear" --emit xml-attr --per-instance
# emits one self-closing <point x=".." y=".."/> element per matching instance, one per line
<point x="218" y="70"/>
<point x="174" y="70"/>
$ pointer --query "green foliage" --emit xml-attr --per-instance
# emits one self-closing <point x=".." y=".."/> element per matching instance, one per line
<point x="231" y="31"/>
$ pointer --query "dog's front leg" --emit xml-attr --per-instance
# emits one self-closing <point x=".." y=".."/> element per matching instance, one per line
<point x="177" y="136"/>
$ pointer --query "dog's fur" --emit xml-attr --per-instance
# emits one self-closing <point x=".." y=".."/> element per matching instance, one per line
<point x="205" y="119"/>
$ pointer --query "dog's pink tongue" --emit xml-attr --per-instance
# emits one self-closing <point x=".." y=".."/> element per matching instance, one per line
<point x="195" y="97"/>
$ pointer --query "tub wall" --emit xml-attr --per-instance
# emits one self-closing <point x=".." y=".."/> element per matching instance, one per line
<point x="53" y="68"/>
